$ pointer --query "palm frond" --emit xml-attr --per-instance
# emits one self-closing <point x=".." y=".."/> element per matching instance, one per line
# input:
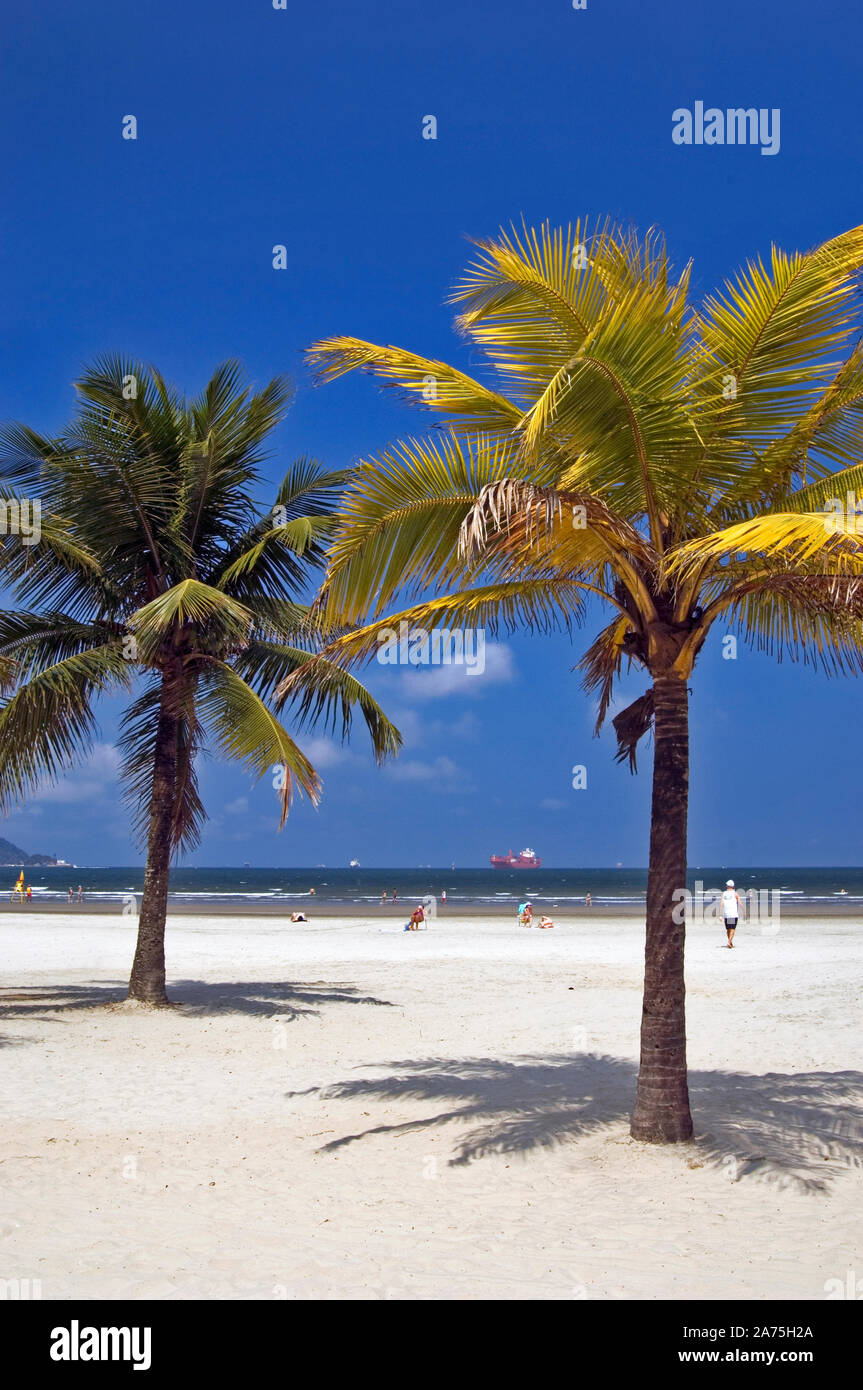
<point x="247" y="732"/>
<point x="137" y="745"/>
<point x="319" y="690"/>
<point x="419" y="380"/>
<point x="47" y="725"/>
<point x="194" y="604"/>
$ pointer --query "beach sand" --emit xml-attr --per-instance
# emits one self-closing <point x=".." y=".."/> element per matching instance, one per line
<point x="344" y="1110"/>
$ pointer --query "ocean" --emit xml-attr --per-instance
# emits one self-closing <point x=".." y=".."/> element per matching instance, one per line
<point x="474" y="887"/>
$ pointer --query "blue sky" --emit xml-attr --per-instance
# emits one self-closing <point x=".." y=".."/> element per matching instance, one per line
<point x="303" y="127"/>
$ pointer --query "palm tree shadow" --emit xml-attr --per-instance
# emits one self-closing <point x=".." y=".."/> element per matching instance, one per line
<point x="43" y="1001"/>
<point x="192" y="998"/>
<point x="799" y="1130"/>
<point x="287" y="999"/>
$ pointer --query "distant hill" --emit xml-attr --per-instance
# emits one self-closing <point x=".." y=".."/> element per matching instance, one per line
<point x="13" y="857"/>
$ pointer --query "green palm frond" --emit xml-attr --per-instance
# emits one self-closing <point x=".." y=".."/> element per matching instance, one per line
<point x="247" y="732"/>
<point x="36" y="641"/>
<point x="47" y="725"/>
<point x="190" y="604"/>
<point x="281" y="550"/>
<point x="137" y="746"/>
<point x="319" y="690"/>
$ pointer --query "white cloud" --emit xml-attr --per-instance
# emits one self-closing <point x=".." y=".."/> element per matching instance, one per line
<point x="551" y="803"/>
<point x="239" y="807"/>
<point x="443" y="773"/>
<point x="437" y="682"/>
<point x="416" y="728"/>
<point x="326" y="752"/>
<point x="94" y="780"/>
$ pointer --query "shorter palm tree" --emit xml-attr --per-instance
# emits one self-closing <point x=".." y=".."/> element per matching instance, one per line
<point x="156" y="567"/>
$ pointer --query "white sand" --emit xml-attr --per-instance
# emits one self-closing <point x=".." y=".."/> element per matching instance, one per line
<point x="341" y="1112"/>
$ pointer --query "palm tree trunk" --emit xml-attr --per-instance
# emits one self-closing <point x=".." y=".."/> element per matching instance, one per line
<point x="661" y="1114"/>
<point x="147" y="981"/>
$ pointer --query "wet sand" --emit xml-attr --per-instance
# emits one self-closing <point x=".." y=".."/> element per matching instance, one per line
<point x="321" y="910"/>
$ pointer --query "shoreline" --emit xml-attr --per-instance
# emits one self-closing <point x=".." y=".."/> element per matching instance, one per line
<point x="330" y="911"/>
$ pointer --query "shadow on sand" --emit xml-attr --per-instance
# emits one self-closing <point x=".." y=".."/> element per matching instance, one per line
<point x="796" y="1131"/>
<point x="192" y="998"/>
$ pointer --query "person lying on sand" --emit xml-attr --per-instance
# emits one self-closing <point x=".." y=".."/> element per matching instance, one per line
<point x="546" y="922"/>
<point x="299" y="917"/>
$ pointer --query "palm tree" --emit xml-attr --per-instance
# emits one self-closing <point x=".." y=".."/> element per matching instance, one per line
<point x="671" y="460"/>
<point x="156" y="566"/>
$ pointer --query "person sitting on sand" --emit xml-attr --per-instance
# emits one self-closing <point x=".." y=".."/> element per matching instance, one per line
<point x="417" y="916"/>
<point x="525" y="914"/>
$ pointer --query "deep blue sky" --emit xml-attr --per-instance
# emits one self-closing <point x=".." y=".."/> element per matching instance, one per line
<point x="303" y="127"/>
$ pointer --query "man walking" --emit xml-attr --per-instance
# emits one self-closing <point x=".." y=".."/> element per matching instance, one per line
<point x="730" y="910"/>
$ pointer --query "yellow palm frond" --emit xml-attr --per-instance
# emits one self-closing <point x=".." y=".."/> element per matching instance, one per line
<point x="797" y="536"/>
<point x="421" y="380"/>
<point x="401" y="521"/>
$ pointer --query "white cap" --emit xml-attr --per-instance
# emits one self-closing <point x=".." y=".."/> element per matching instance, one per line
<point x="730" y="883"/>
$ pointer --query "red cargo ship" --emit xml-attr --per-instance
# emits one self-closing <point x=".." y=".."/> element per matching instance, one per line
<point x="526" y="859"/>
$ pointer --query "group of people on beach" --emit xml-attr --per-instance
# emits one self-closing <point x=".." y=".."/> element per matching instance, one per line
<point x="21" y="891"/>
<point x="525" y="917"/>
<point x="24" y="892"/>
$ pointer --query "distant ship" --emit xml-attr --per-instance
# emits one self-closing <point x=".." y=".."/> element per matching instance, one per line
<point x="355" y="863"/>
<point x="525" y="859"/>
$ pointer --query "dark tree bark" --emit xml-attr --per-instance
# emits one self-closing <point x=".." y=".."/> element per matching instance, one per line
<point x="661" y="1114"/>
<point x="147" y="981"/>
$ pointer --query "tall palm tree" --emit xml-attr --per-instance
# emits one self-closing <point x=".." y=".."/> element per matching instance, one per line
<point x="156" y="566"/>
<point x="670" y="459"/>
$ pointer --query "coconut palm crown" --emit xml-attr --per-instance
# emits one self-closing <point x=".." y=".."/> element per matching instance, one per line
<point x="677" y="461"/>
<point x="156" y="572"/>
